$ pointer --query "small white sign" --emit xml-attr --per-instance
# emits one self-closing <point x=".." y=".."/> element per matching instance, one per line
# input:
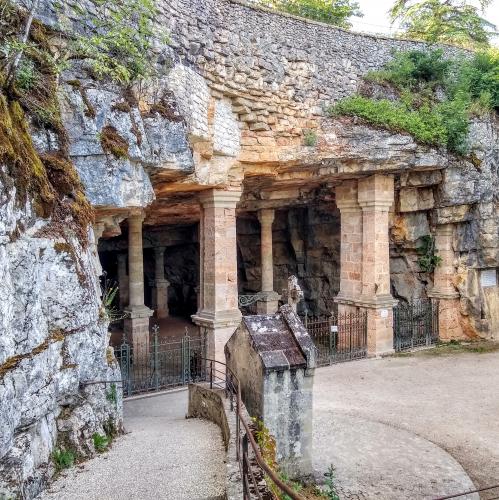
<point x="383" y="313"/>
<point x="488" y="277"/>
<point x="334" y="329"/>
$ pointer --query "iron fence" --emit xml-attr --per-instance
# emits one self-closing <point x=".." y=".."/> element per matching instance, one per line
<point x="340" y="337"/>
<point x="158" y="364"/>
<point x="487" y="493"/>
<point x="415" y="324"/>
<point x="256" y="474"/>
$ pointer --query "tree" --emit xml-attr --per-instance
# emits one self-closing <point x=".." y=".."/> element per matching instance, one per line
<point x="451" y="21"/>
<point x="336" y="12"/>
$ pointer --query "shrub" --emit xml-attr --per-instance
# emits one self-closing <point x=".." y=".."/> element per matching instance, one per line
<point x="101" y="443"/>
<point x="310" y="138"/>
<point x="63" y="459"/>
<point x="436" y="96"/>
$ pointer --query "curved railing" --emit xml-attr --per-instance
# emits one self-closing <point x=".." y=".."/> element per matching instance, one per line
<point x="220" y="376"/>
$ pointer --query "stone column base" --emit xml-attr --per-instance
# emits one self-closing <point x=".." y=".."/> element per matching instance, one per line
<point x="379" y="310"/>
<point x="219" y="327"/>
<point x="136" y="325"/>
<point x="449" y="315"/>
<point x="268" y="304"/>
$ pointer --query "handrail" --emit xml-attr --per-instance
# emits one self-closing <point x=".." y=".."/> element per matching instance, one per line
<point x="468" y="493"/>
<point x="236" y="390"/>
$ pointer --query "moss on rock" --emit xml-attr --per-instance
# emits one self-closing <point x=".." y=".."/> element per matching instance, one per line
<point x="112" y="142"/>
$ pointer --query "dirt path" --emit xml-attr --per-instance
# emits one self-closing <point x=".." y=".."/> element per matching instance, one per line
<point x="163" y="456"/>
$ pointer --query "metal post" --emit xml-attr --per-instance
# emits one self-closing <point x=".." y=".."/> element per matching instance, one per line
<point x="245" y="466"/>
<point x="211" y="374"/>
<point x="155" y="347"/>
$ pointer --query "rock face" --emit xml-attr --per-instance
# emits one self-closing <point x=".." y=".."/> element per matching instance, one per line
<point x="53" y="346"/>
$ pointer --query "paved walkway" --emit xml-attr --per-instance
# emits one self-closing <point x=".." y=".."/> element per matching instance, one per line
<point x="409" y="427"/>
<point x="163" y="456"/>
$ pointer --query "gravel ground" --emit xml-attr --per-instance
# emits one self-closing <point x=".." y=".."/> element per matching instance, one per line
<point x="409" y="427"/>
<point x="162" y="456"/>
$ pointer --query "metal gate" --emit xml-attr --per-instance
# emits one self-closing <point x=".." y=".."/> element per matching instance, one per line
<point x="160" y="364"/>
<point x="341" y="337"/>
<point x="415" y="324"/>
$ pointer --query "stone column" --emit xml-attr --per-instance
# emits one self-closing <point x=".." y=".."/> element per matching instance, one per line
<point x="161" y="283"/>
<point x="137" y="322"/>
<point x="449" y="315"/>
<point x="351" y="246"/>
<point x="98" y="230"/>
<point x="123" y="280"/>
<point x="375" y="196"/>
<point x="270" y="303"/>
<point x="218" y="313"/>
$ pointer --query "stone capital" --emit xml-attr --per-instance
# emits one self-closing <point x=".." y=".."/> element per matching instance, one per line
<point x="346" y="196"/>
<point x="159" y="251"/>
<point x="376" y="192"/>
<point x="219" y="198"/>
<point x="98" y="229"/>
<point x="266" y="216"/>
<point x="136" y="213"/>
<point x="367" y="301"/>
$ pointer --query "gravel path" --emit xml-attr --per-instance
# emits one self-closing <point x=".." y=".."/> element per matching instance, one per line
<point x="409" y="427"/>
<point x="163" y="456"/>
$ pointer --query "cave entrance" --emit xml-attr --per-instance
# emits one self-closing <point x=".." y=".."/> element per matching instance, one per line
<point x="170" y="277"/>
<point x="305" y="243"/>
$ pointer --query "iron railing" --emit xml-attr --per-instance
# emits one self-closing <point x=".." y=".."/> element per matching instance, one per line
<point x="340" y="337"/>
<point x="158" y="364"/>
<point x="252" y="465"/>
<point x="415" y="324"/>
<point x="492" y="490"/>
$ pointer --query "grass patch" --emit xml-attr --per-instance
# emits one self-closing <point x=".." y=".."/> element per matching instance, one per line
<point x="63" y="459"/>
<point x="453" y="347"/>
<point x="101" y="443"/>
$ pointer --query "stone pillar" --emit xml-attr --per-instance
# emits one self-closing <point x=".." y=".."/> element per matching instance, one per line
<point x="449" y="315"/>
<point x="161" y="283"/>
<point x="270" y="302"/>
<point x="375" y="196"/>
<point x="218" y="313"/>
<point x="351" y="246"/>
<point x="98" y="230"/>
<point x="123" y="280"/>
<point x="137" y="322"/>
<point x="365" y="259"/>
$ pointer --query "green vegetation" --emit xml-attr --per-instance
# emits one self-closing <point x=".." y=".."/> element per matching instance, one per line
<point x="428" y="261"/>
<point x="123" y="32"/>
<point x="101" y="443"/>
<point x="454" y="347"/>
<point x="336" y="12"/>
<point x="112" y="394"/>
<point x="310" y="138"/>
<point x="436" y="97"/>
<point x="451" y="21"/>
<point x="63" y="459"/>
<point x="267" y="445"/>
